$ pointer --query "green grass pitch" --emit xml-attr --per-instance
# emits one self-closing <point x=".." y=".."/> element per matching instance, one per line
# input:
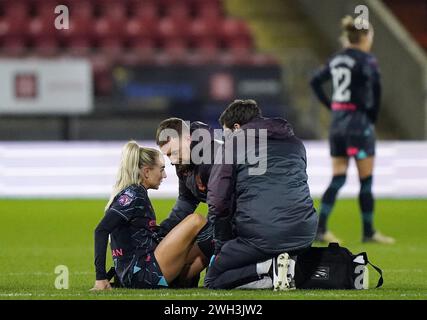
<point x="38" y="235"/>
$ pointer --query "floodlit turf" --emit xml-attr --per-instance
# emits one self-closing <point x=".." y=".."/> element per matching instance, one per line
<point x="38" y="235"/>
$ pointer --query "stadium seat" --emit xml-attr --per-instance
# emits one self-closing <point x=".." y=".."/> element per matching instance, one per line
<point x="80" y="9"/>
<point x="208" y="10"/>
<point x="203" y="31"/>
<point x="136" y="29"/>
<point x="235" y="33"/>
<point x="106" y="27"/>
<point x="78" y="28"/>
<point x="78" y="46"/>
<point x="16" y="10"/>
<point x="178" y="11"/>
<point x="14" y="46"/>
<point x="114" y="10"/>
<point x="203" y="55"/>
<point x="171" y="30"/>
<point x="13" y="27"/>
<point x="111" y="47"/>
<point x="46" y="46"/>
<point x="241" y="43"/>
<point x="176" y="45"/>
<point x="146" y="12"/>
<point x="46" y="9"/>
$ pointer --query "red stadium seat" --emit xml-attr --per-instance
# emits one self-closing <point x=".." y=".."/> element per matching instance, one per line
<point x="201" y="29"/>
<point x="137" y="29"/>
<point x="242" y="43"/>
<point x="114" y="10"/>
<point x="13" y="27"/>
<point x="203" y="55"/>
<point x="143" y="46"/>
<point x="46" y="46"/>
<point x="170" y="29"/>
<point x="208" y="10"/>
<point x="81" y="9"/>
<point x="146" y="12"/>
<point x="177" y="48"/>
<point x="14" y="46"/>
<point x="46" y="9"/>
<point x="43" y="35"/>
<point x="236" y="35"/>
<point x="204" y="36"/>
<point x="79" y="46"/>
<point x="17" y="9"/>
<point x="178" y="11"/>
<point x="111" y="47"/>
<point x="168" y="3"/>
<point x="107" y="28"/>
<point x="233" y="28"/>
<point x="78" y="28"/>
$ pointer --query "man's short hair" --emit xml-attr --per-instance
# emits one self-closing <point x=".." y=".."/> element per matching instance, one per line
<point x="240" y="112"/>
<point x="176" y="124"/>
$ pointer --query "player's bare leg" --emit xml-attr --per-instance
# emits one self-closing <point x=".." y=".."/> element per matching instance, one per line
<point x="172" y="252"/>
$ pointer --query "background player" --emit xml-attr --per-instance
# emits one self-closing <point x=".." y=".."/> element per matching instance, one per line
<point x="355" y="105"/>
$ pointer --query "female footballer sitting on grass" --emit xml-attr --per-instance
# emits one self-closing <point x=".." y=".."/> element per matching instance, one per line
<point x="141" y="258"/>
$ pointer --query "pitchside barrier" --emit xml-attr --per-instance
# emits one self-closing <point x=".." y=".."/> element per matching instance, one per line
<point x="88" y="169"/>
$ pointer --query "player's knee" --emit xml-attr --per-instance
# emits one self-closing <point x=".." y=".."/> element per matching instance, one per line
<point x="196" y="220"/>
<point x="366" y="185"/>
<point x="338" y="181"/>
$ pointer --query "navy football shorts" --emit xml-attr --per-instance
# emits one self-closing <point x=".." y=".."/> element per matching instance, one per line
<point x="359" y="146"/>
<point x="146" y="274"/>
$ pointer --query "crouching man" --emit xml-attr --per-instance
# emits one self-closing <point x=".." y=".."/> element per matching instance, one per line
<point x="263" y="212"/>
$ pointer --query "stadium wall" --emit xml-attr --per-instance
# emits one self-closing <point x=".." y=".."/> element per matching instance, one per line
<point x="402" y="61"/>
<point x="88" y="169"/>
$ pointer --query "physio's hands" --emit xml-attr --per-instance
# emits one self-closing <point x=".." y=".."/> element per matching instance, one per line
<point x="101" y="285"/>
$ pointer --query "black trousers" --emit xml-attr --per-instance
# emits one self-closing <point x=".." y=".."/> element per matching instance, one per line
<point x="235" y="265"/>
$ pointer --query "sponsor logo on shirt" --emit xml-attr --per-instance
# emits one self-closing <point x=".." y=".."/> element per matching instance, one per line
<point x="124" y="200"/>
<point x="117" y="252"/>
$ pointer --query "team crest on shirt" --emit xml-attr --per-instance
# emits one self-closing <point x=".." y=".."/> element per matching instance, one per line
<point x="124" y="200"/>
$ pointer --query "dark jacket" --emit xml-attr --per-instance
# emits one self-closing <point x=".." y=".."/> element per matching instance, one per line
<point x="274" y="210"/>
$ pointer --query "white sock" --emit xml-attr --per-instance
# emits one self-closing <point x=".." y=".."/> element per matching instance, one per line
<point x="264" y="283"/>
<point x="263" y="267"/>
<point x="291" y="268"/>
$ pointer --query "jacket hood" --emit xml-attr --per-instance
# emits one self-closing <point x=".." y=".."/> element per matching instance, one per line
<point x="277" y="128"/>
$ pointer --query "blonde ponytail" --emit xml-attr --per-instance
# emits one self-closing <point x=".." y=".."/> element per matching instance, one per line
<point x="133" y="159"/>
<point x="351" y="34"/>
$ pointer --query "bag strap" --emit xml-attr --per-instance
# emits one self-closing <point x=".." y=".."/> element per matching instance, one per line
<point x="334" y="245"/>
<point x="380" y="280"/>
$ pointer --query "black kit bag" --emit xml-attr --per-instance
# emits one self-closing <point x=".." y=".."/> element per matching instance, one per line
<point x="333" y="267"/>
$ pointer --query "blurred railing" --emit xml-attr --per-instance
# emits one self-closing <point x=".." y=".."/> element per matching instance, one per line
<point x="88" y="170"/>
